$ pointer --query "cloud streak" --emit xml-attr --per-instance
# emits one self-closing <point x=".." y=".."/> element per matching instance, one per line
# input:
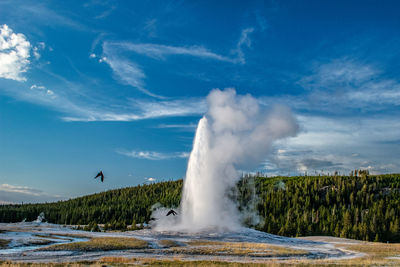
<point x="158" y="51"/>
<point x="243" y="41"/>
<point x="20" y="189"/>
<point x="141" y="110"/>
<point x="153" y="155"/>
<point x="10" y="194"/>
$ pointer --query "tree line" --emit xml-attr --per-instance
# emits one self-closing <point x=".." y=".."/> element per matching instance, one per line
<point x="359" y="206"/>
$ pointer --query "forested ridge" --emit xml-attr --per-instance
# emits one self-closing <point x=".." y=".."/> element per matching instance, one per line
<point x="362" y="206"/>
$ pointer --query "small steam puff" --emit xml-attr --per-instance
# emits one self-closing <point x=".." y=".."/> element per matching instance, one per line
<point x="236" y="133"/>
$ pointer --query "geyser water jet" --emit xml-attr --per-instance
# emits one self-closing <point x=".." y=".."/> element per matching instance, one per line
<point x="235" y="133"/>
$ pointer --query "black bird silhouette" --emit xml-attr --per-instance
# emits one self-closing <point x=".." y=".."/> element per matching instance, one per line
<point x="172" y="212"/>
<point x="101" y="175"/>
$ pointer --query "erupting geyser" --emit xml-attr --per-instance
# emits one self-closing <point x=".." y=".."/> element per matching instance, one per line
<point x="236" y="133"/>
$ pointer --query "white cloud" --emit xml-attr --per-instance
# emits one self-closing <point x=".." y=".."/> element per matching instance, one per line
<point x="6" y="202"/>
<point x="43" y="91"/>
<point x="20" y="189"/>
<point x="10" y="194"/>
<point x="151" y="179"/>
<point x="339" y="144"/>
<point x="36" y="49"/>
<point x="14" y="54"/>
<point x="36" y="53"/>
<point x="152" y="155"/>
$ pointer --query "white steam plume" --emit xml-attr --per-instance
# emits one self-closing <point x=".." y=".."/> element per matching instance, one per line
<point x="236" y="133"/>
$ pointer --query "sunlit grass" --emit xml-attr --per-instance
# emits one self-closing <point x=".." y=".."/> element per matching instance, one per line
<point x="101" y="244"/>
<point x="205" y="247"/>
<point x="375" y="254"/>
<point x="168" y="243"/>
<point x="54" y="237"/>
<point x="176" y="261"/>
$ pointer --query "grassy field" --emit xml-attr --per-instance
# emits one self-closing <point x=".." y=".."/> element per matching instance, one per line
<point x="181" y="254"/>
<point x="168" y="243"/>
<point x="376" y="253"/>
<point x="101" y="244"/>
<point x="205" y="247"/>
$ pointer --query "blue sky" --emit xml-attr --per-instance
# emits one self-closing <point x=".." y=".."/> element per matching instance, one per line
<point x="119" y="86"/>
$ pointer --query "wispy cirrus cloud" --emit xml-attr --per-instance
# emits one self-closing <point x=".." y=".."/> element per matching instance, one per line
<point x="243" y="41"/>
<point x="126" y="71"/>
<point x="142" y="109"/>
<point x="35" y="13"/>
<point x="152" y="155"/>
<point x="185" y="127"/>
<point x="131" y="73"/>
<point x="343" y="87"/>
<point x="349" y="83"/>
<point x="159" y="51"/>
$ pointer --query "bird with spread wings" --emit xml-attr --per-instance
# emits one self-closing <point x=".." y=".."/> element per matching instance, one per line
<point x="101" y="175"/>
<point x="172" y="212"/>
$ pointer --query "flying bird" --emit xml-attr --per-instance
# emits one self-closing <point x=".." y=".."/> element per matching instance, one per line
<point x="172" y="212"/>
<point x="101" y="175"/>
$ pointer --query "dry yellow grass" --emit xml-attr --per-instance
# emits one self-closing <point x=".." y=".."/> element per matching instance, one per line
<point x="205" y="247"/>
<point x="78" y="264"/>
<point x="174" y="261"/>
<point x="115" y="260"/>
<point x="53" y="236"/>
<point x="377" y="249"/>
<point x="375" y="254"/>
<point x="166" y="243"/>
<point x="101" y="244"/>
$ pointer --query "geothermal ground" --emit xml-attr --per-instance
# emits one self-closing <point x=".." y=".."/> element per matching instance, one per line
<point x="50" y="243"/>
